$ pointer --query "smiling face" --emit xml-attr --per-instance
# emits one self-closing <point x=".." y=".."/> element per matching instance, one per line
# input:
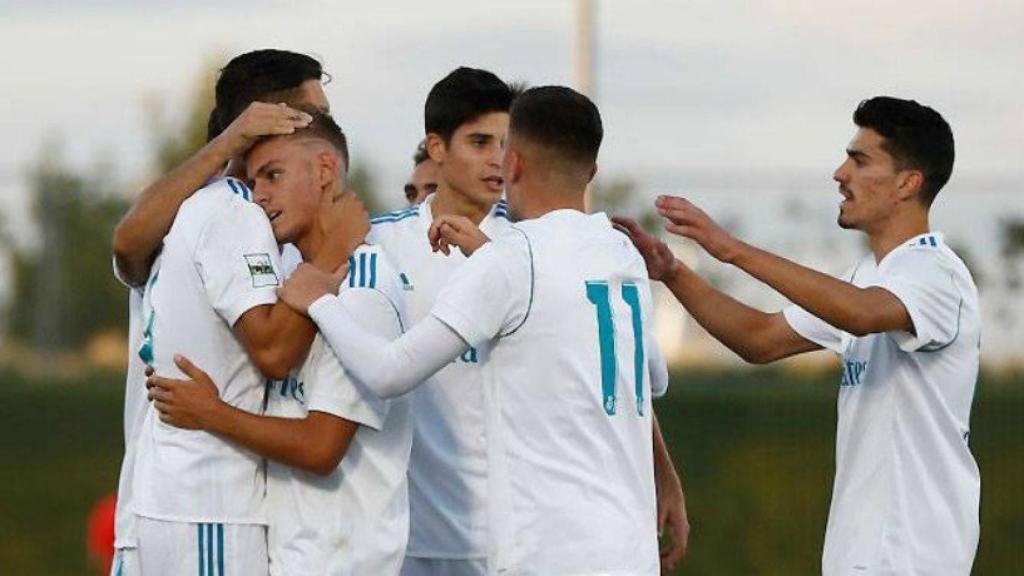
<point x="289" y="177"/>
<point x="470" y="162"/>
<point x="868" y="181"/>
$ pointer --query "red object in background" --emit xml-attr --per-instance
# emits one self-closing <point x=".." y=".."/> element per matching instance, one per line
<point x="99" y="537"/>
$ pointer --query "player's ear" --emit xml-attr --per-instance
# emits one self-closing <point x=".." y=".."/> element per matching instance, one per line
<point x="437" y="149"/>
<point x="326" y="169"/>
<point x="516" y="165"/>
<point x="909" y="183"/>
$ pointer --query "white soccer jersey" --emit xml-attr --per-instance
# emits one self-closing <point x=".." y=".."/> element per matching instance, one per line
<point x="218" y="261"/>
<point x="135" y="405"/>
<point x="448" y="466"/>
<point x="906" y="493"/>
<point x="560" y="307"/>
<point x="355" y="520"/>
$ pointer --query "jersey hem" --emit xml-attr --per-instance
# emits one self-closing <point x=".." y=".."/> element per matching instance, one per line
<point x="202" y="519"/>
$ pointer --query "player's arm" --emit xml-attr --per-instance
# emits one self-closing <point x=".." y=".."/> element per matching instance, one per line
<point x="461" y="317"/>
<point x="276" y="337"/>
<point x="855" y="310"/>
<point x="755" y="336"/>
<point x="316" y="443"/>
<point x="672" y="516"/>
<point x="140" y="232"/>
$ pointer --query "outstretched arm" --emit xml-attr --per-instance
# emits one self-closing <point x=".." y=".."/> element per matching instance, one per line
<point x="316" y="443"/>
<point x="756" y="336"/>
<point x="849" y="308"/>
<point x="388" y="368"/>
<point x="140" y="232"/>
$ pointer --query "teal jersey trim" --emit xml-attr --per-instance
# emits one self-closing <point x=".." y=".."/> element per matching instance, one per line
<point x="533" y="281"/>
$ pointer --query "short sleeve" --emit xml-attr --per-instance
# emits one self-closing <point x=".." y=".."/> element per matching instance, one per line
<point x="491" y="294"/>
<point x="926" y="287"/>
<point x="813" y="328"/>
<point x="336" y="391"/>
<point x="238" y="260"/>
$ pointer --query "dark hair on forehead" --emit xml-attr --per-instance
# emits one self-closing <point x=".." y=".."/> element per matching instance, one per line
<point x="256" y="76"/>
<point x="916" y="136"/>
<point x="560" y="119"/>
<point x="462" y="96"/>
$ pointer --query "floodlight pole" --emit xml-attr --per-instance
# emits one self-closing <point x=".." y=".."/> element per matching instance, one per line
<point x="583" y="57"/>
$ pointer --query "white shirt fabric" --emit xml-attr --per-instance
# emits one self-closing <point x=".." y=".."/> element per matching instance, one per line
<point x="355" y="520"/>
<point x="135" y="405"/>
<point x="218" y="261"/>
<point x="560" y="308"/>
<point x="448" y="466"/>
<point x="907" y="489"/>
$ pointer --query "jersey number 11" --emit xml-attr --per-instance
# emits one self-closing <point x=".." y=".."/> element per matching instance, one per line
<point x="598" y="294"/>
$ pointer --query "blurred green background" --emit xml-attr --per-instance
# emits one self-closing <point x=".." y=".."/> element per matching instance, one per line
<point x="755" y="448"/>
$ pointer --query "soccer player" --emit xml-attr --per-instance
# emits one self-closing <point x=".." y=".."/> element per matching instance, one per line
<point x="423" y="180"/>
<point x="904" y="320"/>
<point x="558" y="310"/>
<point x="211" y="297"/>
<point x="466" y="122"/>
<point x="324" y="517"/>
<point x="276" y="75"/>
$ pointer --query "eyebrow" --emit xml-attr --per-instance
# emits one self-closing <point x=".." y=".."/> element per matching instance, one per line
<point x="857" y="154"/>
<point x="263" y="169"/>
<point x="482" y="135"/>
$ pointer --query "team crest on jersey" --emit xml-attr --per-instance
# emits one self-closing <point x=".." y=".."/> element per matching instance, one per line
<point x="261" y="268"/>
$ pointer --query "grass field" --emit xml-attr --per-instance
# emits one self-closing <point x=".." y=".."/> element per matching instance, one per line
<point x="755" y="449"/>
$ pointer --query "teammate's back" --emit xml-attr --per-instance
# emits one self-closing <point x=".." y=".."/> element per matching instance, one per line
<point x="571" y="392"/>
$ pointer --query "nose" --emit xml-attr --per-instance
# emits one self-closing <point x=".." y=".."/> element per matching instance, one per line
<point x="840" y="175"/>
<point x="259" y="196"/>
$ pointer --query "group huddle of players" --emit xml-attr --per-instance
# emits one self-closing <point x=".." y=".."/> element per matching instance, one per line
<point x="465" y="386"/>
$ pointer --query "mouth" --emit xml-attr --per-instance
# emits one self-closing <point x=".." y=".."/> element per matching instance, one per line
<point x="495" y="183"/>
<point x="272" y="215"/>
<point x="846" y="193"/>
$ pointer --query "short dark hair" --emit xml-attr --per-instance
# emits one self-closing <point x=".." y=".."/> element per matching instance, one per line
<point x="256" y="76"/>
<point x="322" y="127"/>
<point x="916" y="136"/>
<point x="560" y="119"/>
<point x="421" y="155"/>
<point x="462" y="96"/>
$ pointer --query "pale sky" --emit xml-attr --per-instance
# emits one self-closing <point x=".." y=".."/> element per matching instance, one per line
<point x="690" y="91"/>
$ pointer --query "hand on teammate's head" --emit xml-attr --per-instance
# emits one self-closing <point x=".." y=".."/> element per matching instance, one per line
<point x="261" y="119"/>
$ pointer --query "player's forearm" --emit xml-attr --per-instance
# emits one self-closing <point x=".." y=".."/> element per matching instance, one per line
<point x="141" y="231"/>
<point x="387" y="368"/>
<point x="285" y="440"/>
<point x="841" y="304"/>
<point x="665" y="473"/>
<point x="738" y="326"/>
<point x="280" y="340"/>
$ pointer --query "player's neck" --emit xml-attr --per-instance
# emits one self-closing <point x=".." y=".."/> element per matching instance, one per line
<point x="448" y="201"/>
<point x="541" y="199"/>
<point x="896" y="232"/>
<point x="310" y="243"/>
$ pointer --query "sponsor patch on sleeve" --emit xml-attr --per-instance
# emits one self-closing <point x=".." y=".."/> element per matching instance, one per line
<point x="261" y="268"/>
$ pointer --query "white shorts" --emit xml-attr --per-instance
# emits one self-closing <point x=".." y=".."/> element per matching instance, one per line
<point x="444" y="567"/>
<point x="126" y="562"/>
<point x="201" y="549"/>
